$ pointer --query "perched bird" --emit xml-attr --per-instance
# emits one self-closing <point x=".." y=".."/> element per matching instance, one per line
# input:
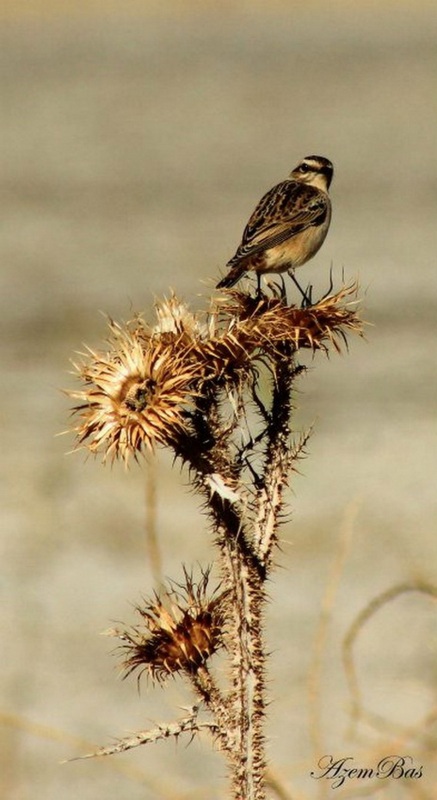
<point x="288" y="225"/>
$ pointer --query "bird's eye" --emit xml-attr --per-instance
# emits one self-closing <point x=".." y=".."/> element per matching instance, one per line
<point x="304" y="168"/>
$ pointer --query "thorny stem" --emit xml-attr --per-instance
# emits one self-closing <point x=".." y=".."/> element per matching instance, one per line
<point x="277" y="455"/>
<point x="165" y="730"/>
<point x="245" y="559"/>
<point x="243" y="576"/>
<point x="246" y="641"/>
<point x="227" y="517"/>
<point x="217" y="704"/>
<point x="245" y="648"/>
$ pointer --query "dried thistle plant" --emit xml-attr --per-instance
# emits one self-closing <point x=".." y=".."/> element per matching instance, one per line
<point x="216" y="388"/>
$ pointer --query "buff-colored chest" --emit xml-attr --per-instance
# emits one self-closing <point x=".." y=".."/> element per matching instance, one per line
<point x="294" y="251"/>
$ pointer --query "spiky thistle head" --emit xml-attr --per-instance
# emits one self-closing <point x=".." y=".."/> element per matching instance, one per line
<point x="180" y="629"/>
<point x="135" y="394"/>
<point x="266" y="321"/>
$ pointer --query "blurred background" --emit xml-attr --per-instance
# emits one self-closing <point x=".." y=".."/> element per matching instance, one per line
<point x="136" y="138"/>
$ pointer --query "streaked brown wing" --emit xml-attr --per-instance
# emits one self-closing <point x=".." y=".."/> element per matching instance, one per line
<point x="285" y="210"/>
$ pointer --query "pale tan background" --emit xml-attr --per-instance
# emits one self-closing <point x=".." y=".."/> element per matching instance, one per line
<point x="135" y="140"/>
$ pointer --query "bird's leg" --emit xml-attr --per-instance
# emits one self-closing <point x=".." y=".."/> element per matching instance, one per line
<point x="283" y="290"/>
<point x="307" y="300"/>
<point x="331" y="285"/>
<point x="258" y="286"/>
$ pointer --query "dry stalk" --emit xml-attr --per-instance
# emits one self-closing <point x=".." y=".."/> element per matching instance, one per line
<point x="358" y="624"/>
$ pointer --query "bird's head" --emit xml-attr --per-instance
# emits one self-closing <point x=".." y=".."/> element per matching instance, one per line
<point x="315" y="170"/>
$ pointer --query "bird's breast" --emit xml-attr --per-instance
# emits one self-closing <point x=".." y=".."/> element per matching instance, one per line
<point x="297" y="250"/>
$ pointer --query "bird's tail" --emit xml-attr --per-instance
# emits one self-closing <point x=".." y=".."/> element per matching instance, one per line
<point x="232" y="277"/>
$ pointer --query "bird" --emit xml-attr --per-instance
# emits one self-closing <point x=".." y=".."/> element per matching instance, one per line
<point x="288" y="226"/>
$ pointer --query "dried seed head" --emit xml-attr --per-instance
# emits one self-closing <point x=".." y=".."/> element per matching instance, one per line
<point x="135" y="394"/>
<point x="266" y="321"/>
<point x="179" y="630"/>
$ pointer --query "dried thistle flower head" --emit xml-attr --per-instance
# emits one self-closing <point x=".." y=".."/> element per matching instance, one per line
<point x="135" y="394"/>
<point x="179" y="630"/>
<point x="265" y="322"/>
